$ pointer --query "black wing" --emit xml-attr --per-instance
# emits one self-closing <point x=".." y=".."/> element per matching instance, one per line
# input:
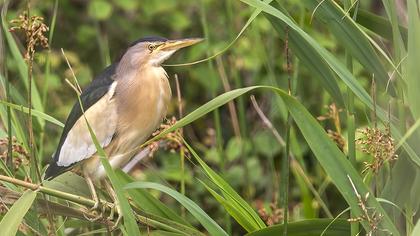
<point x="96" y="90"/>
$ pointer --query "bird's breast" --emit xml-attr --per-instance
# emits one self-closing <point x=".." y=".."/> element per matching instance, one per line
<point x="142" y="104"/>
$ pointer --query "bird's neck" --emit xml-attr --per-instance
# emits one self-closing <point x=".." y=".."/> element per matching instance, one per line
<point x="143" y="78"/>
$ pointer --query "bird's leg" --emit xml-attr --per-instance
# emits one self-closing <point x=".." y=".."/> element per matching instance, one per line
<point x="92" y="190"/>
<point x="95" y="197"/>
<point x="116" y="205"/>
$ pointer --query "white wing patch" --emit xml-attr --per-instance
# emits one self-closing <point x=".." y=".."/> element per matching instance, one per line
<point x="102" y="117"/>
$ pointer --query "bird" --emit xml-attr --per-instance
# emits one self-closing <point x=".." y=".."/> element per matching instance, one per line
<point x="123" y="105"/>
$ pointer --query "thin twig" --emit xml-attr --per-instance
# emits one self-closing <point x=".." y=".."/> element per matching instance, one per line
<point x="305" y="178"/>
<point x="73" y="87"/>
<point x="286" y="161"/>
<point x="77" y="87"/>
<point x="231" y="104"/>
<point x="267" y="122"/>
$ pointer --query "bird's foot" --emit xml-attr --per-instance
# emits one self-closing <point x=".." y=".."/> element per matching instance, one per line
<point x="92" y="216"/>
<point x="97" y="211"/>
<point x="96" y="205"/>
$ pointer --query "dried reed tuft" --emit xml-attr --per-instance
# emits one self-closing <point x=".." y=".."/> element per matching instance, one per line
<point x="379" y="144"/>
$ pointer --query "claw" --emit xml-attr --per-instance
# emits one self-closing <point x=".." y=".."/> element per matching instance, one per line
<point x="96" y="205"/>
<point x="97" y="209"/>
<point x="93" y="219"/>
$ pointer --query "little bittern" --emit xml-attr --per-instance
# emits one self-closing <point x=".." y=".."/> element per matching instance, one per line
<point x="123" y="105"/>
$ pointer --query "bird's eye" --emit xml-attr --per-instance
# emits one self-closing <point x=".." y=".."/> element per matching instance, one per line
<point x="151" y="47"/>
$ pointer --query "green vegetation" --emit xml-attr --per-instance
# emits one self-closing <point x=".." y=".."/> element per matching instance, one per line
<point x="291" y="118"/>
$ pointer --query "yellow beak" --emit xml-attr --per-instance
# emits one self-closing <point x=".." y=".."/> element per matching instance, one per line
<point x="179" y="43"/>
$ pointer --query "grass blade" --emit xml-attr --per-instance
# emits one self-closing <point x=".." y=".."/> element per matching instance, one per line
<point x="313" y="227"/>
<point x="233" y="211"/>
<point x="11" y="221"/>
<point x="35" y="113"/>
<point x="254" y="222"/>
<point x="148" y="202"/>
<point x="411" y="73"/>
<point x="350" y="36"/>
<point x="416" y="230"/>
<point x="208" y="223"/>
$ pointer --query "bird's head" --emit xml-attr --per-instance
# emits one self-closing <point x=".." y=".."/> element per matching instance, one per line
<point x="153" y="51"/>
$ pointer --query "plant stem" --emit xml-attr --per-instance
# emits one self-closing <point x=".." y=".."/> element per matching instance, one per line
<point x="36" y="175"/>
<point x="285" y="168"/>
<point x="231" y="105"/>
<point x="9" y="160"/>
<point x="49" y="191"/>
